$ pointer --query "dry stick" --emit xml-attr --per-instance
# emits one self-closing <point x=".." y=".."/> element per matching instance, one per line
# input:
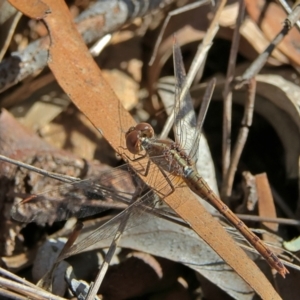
<point x="242" y="136"/>
<point x="11" y="295"/>
<point x="31" y="293"/>
<point x="227" y="96"/>
<point x="289" y="11"/>
<point x="175" y="12"/>
<point x="17" y="96"/>
<point x="196" y="64"/>
<point x="95" y="22"/>
<point x="258" y="64"/>
<point x="290" y="222"/>
<point x="56" y="176"/>
<point x="71" y="240"/>
<point x="16" y="278"/>
<point x="169" y="123"/>
<point x="112" y="249"/>
<point x="108" y="257"/>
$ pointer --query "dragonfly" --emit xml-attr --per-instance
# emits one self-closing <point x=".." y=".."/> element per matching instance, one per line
<point x="172" y="158"/>
<point x="173" y="161"/>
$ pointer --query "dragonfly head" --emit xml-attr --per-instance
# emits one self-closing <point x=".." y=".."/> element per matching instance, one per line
<point x="135" y="135"/>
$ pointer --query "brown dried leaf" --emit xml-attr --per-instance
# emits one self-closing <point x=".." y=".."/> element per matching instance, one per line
<point x="32" y="8"/>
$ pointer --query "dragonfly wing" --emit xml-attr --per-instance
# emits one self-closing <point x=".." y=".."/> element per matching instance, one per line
<point x="111" y="227"/>
<point x="45" y="210"/>
<point x="185" y="118"/>
<point x="144" y="204"/>
<point x="80" y="198"/>
<point x="195" y="148"/>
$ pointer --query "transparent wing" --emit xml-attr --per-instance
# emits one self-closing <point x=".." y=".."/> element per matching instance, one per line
<point x="185" y="119"/>
<point x="143" y="205"/>
<point x="80" y="198"/>
<point x="201" y="117"/>
<point x="187" y="131"/>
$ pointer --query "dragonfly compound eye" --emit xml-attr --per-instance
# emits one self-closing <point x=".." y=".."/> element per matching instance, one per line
<point x="133" y="142"/>
<point x="129" y="131"/>
<point x="145" y="130"/>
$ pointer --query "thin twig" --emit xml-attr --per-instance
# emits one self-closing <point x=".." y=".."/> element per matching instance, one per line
<point x="175" y="12"/>
<point x="260" y="61"/>
<point x="32" y="293"/>
<point x="16" y="278"/>
<point x="6" y="294"/>
<point x="95" y="22"/>
<point x="288" y="10"/>
<point x="112" y="248"/>
<point x="283" y="221"/>
<point x="109" y="255"/>
<point x="196" y="64"/>
<point x="242" y="137"/>
<point x="56" y="176"/>
<point x="227" y="97"/>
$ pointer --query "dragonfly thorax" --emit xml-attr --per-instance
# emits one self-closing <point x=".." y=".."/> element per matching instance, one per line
<point x="165" y="153"/>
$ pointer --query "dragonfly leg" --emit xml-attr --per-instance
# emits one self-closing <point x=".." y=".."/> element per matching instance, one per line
<point x="169" y="183"/>
<point x="141" y="156"/>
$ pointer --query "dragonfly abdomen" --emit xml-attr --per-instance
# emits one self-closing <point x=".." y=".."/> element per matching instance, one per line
<point x="199" y="186"/>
